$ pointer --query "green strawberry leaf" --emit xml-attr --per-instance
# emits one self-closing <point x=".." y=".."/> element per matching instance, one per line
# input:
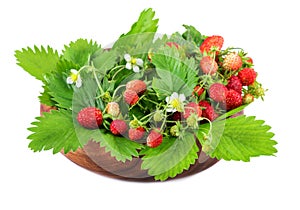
<point x="46" y="98"/>
<point x="37" y="62"/>
<point x="237" y="138"/>
<point x="87" y="95"/>
<point x="55" y="130"/>
<point x="138" y="40"/>
<point x="119" y="147"/>
<point x="232" y="112"/>
<point x="170" y="158"/>
<point x="61" y="93"/>
<point x="80" y="51"/>
<point x="144" y="24"/>
<point x="193" y="35"/>
<point x="177" y="73"/>
<point x="104" y="60"/>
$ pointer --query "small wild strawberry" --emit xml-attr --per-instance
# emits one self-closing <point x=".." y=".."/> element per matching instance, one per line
<point x="118" y="127"/>
<point x="217" y="92"/>
<point x="136" y="133"/>
<point x="137" y="86"/>
<point x="113" y="109"/>
<point x="247" y="76"/>
<point x="232" y="62"/>
<point x="90" y="117"/>
<point x="208" y="65"/>
<point x="233" y="99"/>
<point x="235" y="83"/>
<point x="191" y="108"/>
<point x="208" y="111"/>
<point x="248" y="98"/>
<point x="130" y="97"/>
<point x="198" y="90"/>
<point x="154" y="139"/>
<point x="211" y="42"/>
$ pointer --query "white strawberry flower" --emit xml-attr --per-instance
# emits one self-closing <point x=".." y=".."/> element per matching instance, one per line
<point x="74" y="78"/>
<point x="133" y="63"/>
<point x="175" y="102"/>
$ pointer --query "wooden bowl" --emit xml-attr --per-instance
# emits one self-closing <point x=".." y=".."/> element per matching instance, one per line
<point x="94" y="158"/>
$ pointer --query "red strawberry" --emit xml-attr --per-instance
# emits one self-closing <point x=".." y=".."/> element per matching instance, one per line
<point x="249" y="60"/>
<point x="210" y="42"/>
<point x="90" y="117"/>
<point x="232" y="62"/>
<point x="191" y="108"/>
<point x="198" y="90"/>
<point x="233" y="99"/>
<point x="171" y="44"/>
<point x="130" y="97"/>
<point x="118" y="127"/>
<point x="235" y="83"/>
<point x="154" y="139"/>
<point x="136" y="133"/>
<point x="137" y="86"/>
<point x="208" y="111"/>
<point x="217" y="92"/>
<point x="113" y="109"/>
<point x="208" y="65"/>
<point x="176" y="116"/>
<point x="247" y="76"/>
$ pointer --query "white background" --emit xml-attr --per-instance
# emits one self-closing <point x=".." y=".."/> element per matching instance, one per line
<point x="265" y="29"/>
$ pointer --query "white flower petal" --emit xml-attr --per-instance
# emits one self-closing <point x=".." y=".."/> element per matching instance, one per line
<point x="182" y="97"/>
<point x="170" y="109"/>
<point x="127" y="57"/>
<point x="168" y="99"/>
<point x="73" y="71"/>
<point x="173" y="96"/>
<point x="139" y="62"/>
<point x="69" y="80"/>
<point x="136" y="69"/>
<point x="128" y="66"/>
<point x="78" y="82"/>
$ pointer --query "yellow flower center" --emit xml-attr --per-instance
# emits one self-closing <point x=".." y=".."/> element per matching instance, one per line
<point x="176" y="104"/>
<point x="74" y="77"/>
<point x="133" y="61"/>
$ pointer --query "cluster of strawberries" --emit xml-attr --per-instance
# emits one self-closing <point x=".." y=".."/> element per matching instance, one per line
<point x="92" y="118"/>
<point x="227" y="81"/>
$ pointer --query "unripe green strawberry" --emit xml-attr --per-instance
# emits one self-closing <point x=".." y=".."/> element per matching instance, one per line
<point x="158" y="116"/>
<point x="174" y="131"/>
<point x="192" y="121"/>
<point x="248" y="98"/>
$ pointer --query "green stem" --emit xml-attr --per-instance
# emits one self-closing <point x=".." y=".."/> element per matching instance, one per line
<point x="97" y="81"/>
<point x="116" y="90"/>
<point x="115" y="74"/>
